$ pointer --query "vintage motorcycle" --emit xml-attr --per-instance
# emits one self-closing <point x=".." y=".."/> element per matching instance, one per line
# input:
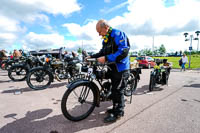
<point x="83" y="95"/>
<point x="160" y="73"/>
<point x="41" y="77"/>
<point x="19" y="70"/>
<point x="7" y="63"/>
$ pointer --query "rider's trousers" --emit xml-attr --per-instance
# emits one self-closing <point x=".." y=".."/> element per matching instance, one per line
<point x="119" y="82"/>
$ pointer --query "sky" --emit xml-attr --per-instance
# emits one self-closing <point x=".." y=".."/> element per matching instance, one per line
<point x="51" y="24"/>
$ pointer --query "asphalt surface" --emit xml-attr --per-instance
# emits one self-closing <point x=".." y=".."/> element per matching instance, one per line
<point x="170" y="109"/>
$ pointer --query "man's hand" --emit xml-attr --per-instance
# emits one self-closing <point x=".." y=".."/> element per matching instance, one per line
<point x="87" y="58"/>
<point x="101" y="59"/>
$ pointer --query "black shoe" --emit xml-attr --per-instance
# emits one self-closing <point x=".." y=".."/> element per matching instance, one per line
<point x="110" y="118"/>
<point x="113" y="117"/>
<point x="109" y="111"/>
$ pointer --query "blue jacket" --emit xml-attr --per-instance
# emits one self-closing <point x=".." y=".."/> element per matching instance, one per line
<point x="116" y="50"/>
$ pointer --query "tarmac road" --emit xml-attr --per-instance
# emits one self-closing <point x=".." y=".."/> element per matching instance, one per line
<point x="171" y="109"/>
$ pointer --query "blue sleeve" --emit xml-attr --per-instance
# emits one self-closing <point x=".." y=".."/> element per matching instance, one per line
<point x="121" y="41"/>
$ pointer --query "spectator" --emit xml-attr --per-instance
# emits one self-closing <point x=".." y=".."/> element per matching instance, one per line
<point x="3" y="55"/>
<point x="16" y="54"/>
<point x="84" y="55"/>
<point x="184" y="61"/>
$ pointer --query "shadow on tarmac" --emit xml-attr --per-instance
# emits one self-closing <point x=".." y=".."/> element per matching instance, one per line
<point x="35" y="122"/>
<point x="145" y="89"/>
<point x="193" y="85"/>
<point x="5" y="81"/>
<point x="27" y="89"/>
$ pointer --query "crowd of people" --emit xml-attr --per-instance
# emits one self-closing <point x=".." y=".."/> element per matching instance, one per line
<point x="15" y="54"/>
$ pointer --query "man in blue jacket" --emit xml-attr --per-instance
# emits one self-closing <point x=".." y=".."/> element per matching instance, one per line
<point x="115" y="49"/>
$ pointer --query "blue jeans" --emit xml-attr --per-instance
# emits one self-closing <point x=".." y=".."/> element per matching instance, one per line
<point x="183" y="66"/>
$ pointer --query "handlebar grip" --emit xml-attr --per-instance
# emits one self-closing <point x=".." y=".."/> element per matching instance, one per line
<point x="91" y="59"/>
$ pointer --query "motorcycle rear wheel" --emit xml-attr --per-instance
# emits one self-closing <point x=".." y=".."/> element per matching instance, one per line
<point x="131" y="85"/>
<point x="17" y="73"/>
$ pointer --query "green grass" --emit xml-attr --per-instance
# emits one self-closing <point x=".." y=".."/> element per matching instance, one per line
<point x="195" y="61"/>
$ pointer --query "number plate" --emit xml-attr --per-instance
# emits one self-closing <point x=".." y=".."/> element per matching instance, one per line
<point x="90" y="71"/>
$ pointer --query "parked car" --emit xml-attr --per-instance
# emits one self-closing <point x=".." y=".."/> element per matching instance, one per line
<point x="146" y="61"/>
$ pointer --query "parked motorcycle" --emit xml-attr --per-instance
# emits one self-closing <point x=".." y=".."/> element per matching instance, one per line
<point x="83" y="95"/>
<point x="19" y="70"/>
<point x="160" y="73"/>
<point x="41" y="77"/>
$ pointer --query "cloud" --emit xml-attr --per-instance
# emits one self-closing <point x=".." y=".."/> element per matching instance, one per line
<point x="145" y="19"/>
<point x="15" y="13"/>
<point x="35" y="41"/>
<point x="8" y="25"/>
<point x="106" y="10"/>
<point x="107" y="1"/>
<point x="86" y="32"/>
<point x="7" y="38"/>
<point x="22" y="9"/>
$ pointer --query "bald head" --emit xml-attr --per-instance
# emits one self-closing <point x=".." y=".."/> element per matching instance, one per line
<point x="102" y="24"/>
<point x="102" y="27"/>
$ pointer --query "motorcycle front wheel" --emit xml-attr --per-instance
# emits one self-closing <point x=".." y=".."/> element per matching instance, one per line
<point x="78" y="102"/>
<point x="39" y="79"/>
<point x="152" y="83"/>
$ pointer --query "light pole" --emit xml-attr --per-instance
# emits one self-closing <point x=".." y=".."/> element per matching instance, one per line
<point x="197" y="38"/>
<point x="190" y="39"/>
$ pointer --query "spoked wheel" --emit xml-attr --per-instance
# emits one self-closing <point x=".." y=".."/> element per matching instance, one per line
<point x="17" y="73"/>
<point x="78" y="102"/>
<point x="39" y="79"/>
<point x="131" y="85"/>
<point x="152" y="83"/>
<point x="8" y="66"/>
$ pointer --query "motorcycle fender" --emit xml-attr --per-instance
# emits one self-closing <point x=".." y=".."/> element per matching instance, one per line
<point x="40" y="67"/>
<point x="19" y="65"/>
<point x="153" y="73"/>
<point x="136" y="73"/>
<point x="93" y="86"/>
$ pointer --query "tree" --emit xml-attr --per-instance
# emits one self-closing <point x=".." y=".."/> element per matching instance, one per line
<point x="79" y="50"/>
<point x="181" y="52"/>
<point x="155" y="52"/>
<point x="162" y="49"/>
<point x="146" y="51"/>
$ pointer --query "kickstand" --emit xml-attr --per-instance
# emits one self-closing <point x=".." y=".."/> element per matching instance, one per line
<point x="131" y="97"/>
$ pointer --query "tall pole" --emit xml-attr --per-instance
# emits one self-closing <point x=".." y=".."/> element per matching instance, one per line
<point x="197" y="38"/>
<point x="82" y="45"/>
<point x="191" y="38"/>
<point x="153" y="46"/>
<point x="198" y="45"/>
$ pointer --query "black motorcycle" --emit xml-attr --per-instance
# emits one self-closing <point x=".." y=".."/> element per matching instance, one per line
<point x="40" y="78"/>
<point x="19" y="70"/>
<point x="83" y="95"/>
<point x="160" y="74"/>
<point x="7" y="63"/>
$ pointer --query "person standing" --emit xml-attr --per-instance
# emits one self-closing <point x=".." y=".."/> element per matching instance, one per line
<point x="184" y="61"/>
<point x="115" y="49"/>
<point x="3" y="55"/>
<point x="16" y="54"/>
